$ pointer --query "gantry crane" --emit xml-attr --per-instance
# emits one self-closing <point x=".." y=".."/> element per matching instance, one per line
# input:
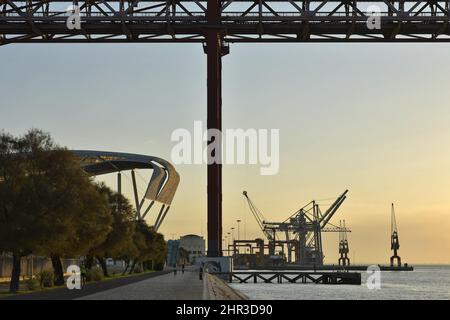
<point x="301" y="233"/>
<point x="395" y="244"/>
<point x="344" y="249"/>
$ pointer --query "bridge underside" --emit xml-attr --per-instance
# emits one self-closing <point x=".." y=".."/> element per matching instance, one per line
<point x="286" y="32"/>
<point x="239" y="21"/>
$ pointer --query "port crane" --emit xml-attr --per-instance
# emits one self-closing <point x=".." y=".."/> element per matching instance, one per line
<point x="344" y="249"/>
<point x="395" y="244"/>
<point x="301" y="233"/>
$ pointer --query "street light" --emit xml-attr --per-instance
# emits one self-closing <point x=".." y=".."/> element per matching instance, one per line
<point x="228" y="243"/>
<point x="232" y="240"/>
<point x="225" y="240"/>
<point x="238" y="221"/>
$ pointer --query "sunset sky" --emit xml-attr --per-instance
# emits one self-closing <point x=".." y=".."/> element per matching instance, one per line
<point x="371" y="118"/>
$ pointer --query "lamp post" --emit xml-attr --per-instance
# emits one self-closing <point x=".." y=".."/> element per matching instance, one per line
<point x="238" y="221"/>
<point x="238" y="237"/>
<point x="228" y="243"/>
<point x="225" y="241"/>
<point x="232" y="239"/>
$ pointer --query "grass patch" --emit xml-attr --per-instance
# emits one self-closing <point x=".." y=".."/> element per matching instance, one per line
<point x="111" y="277"/>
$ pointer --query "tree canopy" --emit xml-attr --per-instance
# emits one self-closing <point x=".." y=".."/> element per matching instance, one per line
<point x="49" y="206"/>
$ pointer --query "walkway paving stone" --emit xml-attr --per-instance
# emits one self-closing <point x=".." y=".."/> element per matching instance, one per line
<point x="185" y="286"/>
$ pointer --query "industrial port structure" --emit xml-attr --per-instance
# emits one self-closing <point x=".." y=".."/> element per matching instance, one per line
<point x="395" y="243"/>
<point x="298" y="238"/>
<point x="344" y="249"/>
<point x="299" y="241"/>
<point x="216" y="24"/>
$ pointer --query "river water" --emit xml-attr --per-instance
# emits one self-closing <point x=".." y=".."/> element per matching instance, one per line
<point x="425" y="282"/>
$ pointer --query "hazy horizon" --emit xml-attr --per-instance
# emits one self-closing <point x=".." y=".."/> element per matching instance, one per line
<point x="371" y="118"/>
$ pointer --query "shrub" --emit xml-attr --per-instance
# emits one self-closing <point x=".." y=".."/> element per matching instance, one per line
<point x="32" y="284"/>
<point x="94" y="274"/>
<point x="158" y="266"/>
<point x="137" y="268"/>
<point x="45" y="278"/>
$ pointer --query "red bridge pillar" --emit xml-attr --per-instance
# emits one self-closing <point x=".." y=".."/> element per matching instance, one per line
<point x="214" y="50"/>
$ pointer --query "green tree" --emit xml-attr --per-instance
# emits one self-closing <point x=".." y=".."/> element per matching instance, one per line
<point x="128" y="254"/>
<point x="120" y="238"/>
<point x="150" y="245"/>
<point x="48" y="203"/>
<point x="90" y="226"/>
<point x="14" y="221"/>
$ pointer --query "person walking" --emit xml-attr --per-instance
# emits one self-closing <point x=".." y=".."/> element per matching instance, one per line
<point x="200" y="271"/>
<point x="175" y="270"/>
<point x="83" y="275"/>
<point x="182" y="268"/>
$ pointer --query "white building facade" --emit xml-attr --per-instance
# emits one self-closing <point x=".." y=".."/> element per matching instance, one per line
<point x="194" y="245"/>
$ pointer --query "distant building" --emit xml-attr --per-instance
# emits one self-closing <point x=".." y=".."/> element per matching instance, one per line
<point x="172" y="252"/>
<point x="194" y="245"/>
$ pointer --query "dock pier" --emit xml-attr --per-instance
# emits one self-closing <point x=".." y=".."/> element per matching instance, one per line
<point x="325" y="268"/>
<point x="352" y="278"/>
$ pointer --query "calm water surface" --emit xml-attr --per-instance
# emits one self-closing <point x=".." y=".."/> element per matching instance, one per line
<point x="425" y="282"/>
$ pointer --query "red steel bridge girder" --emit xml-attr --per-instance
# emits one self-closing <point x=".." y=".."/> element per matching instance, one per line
<point x="239" y="20"/>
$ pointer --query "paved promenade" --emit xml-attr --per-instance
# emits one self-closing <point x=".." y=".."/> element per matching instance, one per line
<point x="161" y="285"/>
<point x="165" y="287"/>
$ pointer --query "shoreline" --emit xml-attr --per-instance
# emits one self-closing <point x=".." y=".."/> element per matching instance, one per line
<point x="217" y="289"/>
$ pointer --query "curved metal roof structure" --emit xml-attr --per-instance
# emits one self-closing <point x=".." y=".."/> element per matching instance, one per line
<point x="161" y="187"/>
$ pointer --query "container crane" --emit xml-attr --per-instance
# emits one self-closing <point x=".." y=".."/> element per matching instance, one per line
<point x="301" y="233"/>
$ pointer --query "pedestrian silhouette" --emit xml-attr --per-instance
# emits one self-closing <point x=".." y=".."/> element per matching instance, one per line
<point x="83" y="274"/>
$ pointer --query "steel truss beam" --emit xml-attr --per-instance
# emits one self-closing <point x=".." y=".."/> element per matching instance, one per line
<point x="238" y="21"/>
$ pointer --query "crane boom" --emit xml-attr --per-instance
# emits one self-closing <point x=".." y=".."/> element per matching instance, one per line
<point x="258" y="216"/>
<point x="332" y="209"/>
<point x="393" y="220"/>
